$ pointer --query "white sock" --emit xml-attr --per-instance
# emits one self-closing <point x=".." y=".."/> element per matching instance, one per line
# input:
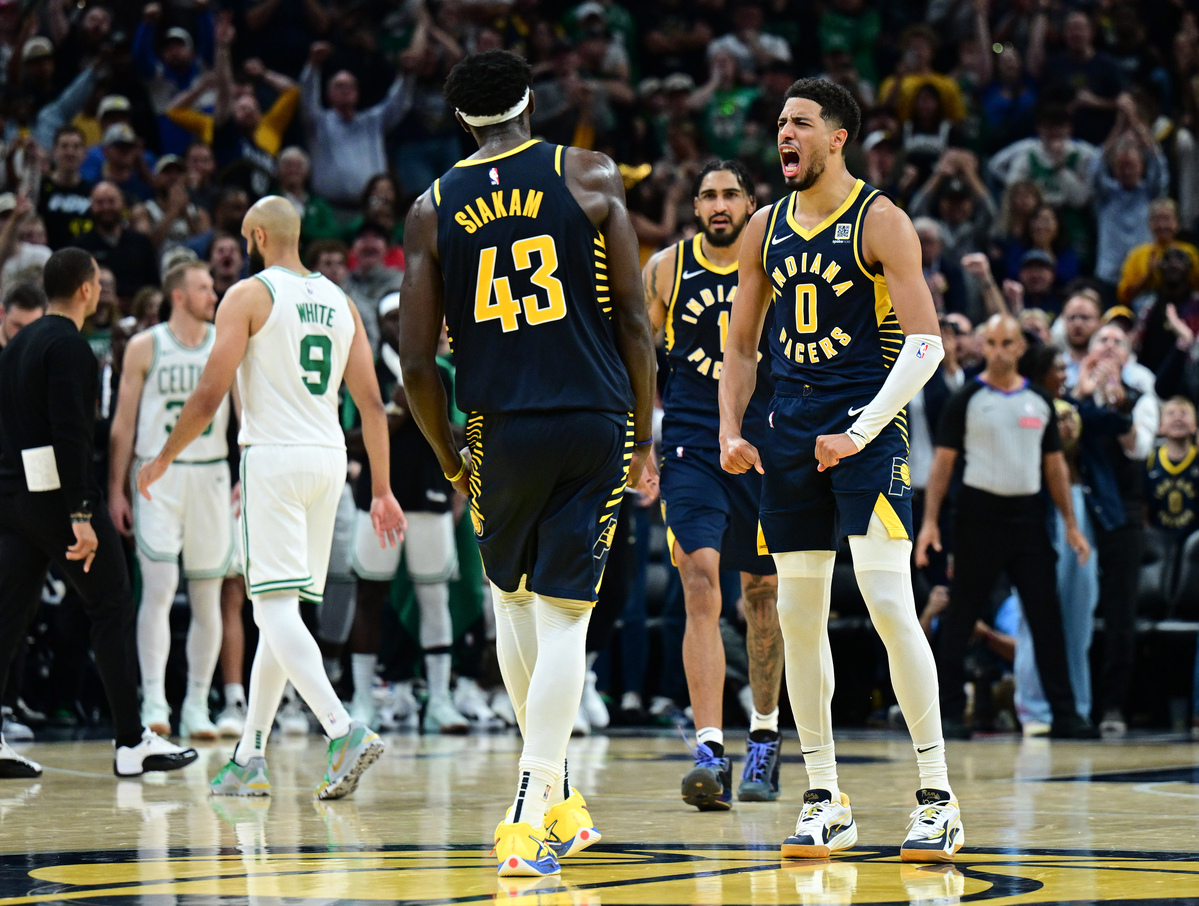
<point x="267" y="681"/>
<point x="234" y="692"/>
<point x="708" y="735"/>
<point x="554" y="692"/>
<point x="279" y="622"/>
<point x="436" y="626"/>
<point x="159" y="581"/>
<point x="515" y="644"/>
<point x="363" y="667"/>
<point x="768" y="722"/>
<point x="533" y="792"/>
<point x="203" y="636"/>
<point x="931" y="762"/>
<point x="437" y="672"/>
<point x="821" y="763"/>
<point x="560" y="791"/>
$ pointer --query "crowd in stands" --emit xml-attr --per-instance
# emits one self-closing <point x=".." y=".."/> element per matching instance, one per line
<point x="1047" y="152"/>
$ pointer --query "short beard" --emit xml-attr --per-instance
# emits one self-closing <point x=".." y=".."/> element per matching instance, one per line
<point x="257" y="264"/>
<point x="724" y="240"/>
<point x="809" y="177"/>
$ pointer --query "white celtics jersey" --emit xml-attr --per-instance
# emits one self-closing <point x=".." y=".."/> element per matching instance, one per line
<point x="293" y="366"/>
<point x="172" y="377"/>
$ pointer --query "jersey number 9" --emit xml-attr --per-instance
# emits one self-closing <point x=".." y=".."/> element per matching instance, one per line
<point x="505" y="308"/>
<point x="316" y="358"/>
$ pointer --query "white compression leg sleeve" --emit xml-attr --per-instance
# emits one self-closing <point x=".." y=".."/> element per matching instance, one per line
<point x="267" y="681"/>
<point x="279" y="621"/>
<point x="805" y="588"/>
<point x="159" y="581"/>
<point x="515" y="644"/>
<point x="436" y="634"/>
<point x="203" y="637"/>
<point x="555" y="690"/>
<point x="883" y="568"/>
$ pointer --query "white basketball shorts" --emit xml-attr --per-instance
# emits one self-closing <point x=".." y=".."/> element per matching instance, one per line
<point x="429" y="540"/>
<point x="188" y="514"/>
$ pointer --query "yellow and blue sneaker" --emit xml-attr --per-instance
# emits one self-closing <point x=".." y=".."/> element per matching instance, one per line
<point x="568" y="826"/>
<point x="522" y="852"/>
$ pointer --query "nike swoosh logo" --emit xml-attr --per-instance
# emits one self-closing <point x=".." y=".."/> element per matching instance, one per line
<point x="853" y="412"/>
<point x="341" y="756"/>
<point x="777" y="239"/>
<point x="930" y="748"/>
<point x="687" y="275"/>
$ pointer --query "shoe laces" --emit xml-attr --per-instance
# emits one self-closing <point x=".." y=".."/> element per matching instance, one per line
<point x="813" y="813"/>
<point x="927" y="820"/>
<point x="704" y="757"/>
<point x="757" y="759"/>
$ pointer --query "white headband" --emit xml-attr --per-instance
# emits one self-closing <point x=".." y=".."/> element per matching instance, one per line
<point x="515" y="110"/>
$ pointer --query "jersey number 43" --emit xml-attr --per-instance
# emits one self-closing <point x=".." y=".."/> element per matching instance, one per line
<point x="504" y="307"/>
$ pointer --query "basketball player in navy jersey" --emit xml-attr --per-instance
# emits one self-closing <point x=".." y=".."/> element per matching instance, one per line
<point x="527" y="251"/>
<point x="711" y="516"/>
<point x="854" y="336"/>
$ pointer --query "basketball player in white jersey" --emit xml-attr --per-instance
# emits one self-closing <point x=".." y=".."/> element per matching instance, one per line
<point x="190" y="510"/>
<point x="290" y="337"/>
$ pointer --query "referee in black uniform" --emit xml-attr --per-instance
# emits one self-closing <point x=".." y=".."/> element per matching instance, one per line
<point x="1006" y="431"/>
<point x="50" y="510"/>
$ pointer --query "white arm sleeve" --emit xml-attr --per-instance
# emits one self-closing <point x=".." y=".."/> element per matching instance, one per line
<point x="916" y="363"/>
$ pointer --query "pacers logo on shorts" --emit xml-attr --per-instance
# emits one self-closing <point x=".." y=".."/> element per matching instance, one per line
<point x="901" y="478"/>
<point x="605" y="539"/>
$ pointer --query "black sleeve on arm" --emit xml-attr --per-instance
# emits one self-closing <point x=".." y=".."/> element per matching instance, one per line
<point x="951" y="429"/>
<point x="71" y="383"/>
<point x="1051" y="440"/>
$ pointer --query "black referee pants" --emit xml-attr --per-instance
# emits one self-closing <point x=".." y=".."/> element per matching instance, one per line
<point x="35" y="531"/>
<point x="1003" y="535"/>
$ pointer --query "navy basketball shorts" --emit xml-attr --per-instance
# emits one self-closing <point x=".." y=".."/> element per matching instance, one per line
<point x="545" y="495"/>
<point x="804" y="509"/>
<point x="705" y="506"/>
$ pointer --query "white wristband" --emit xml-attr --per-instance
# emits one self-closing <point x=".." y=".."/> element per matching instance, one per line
<point x="916" y="363"/>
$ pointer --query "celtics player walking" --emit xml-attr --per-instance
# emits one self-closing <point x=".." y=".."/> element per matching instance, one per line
<point x="854" y="336"/>
<point x="289" y="337"/>
<point x="711" y="516"/>
<point x="190" y="510"/>
<point x="526" y="252"/>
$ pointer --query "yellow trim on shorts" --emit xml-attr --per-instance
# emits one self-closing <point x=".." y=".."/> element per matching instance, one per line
<point x="890" y="519"/>
<point x="763" y="550"/>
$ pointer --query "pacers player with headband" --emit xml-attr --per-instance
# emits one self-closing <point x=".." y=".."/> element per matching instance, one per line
<point x="527" y="252"/>
<point x="854" y="336"/>
<point x="289" y="337"/>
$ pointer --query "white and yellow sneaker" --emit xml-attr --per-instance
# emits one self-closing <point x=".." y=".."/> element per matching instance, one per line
<point x="824" y="827"/>
<point x="936" y="832"/>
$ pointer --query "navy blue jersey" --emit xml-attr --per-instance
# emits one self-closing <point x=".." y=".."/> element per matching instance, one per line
<point x="527" y="302"/>
<point x="697" y="325"/>
<point x="1173" y="492"/>
<point x="834" y="326"/>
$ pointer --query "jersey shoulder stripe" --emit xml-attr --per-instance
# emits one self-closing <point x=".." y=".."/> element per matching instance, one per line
<point x="679" y="254"/>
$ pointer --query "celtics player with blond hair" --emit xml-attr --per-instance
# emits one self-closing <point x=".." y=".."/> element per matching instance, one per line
<point x="290" y="337"/>
<point x="190" y="512"/>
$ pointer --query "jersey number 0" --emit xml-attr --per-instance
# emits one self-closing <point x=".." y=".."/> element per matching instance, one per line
<point x="506" y="308"/>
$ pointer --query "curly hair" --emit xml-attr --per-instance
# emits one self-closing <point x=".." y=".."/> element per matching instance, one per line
<point x="837" y="106"/>
<point x="488" y="83"/>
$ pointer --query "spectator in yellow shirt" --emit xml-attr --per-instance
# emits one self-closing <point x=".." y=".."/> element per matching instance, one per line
<point x="914" y="71"/>
<point x="1138" y="274"/>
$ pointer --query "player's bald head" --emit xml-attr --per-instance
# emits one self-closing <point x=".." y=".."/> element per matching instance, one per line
<point x="276" y="217"/>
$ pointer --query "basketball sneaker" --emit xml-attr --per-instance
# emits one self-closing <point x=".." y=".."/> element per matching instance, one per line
<point x="349" y="757"/>
<point x="521" y="851"/>
<point x="760" y="778"/>
<point x="156" y="714"/>
<point x="501" y="706"/>
<point x="568" y="826"/>
<point x="593" y="704"/>
<point x="231" y="722"/>
<point x="471" y="703"/>
<point x="14" y="765"/>
<point x="152" y="753"/>
<point x="12" y="729"/>
<point x="251" y="779"/>
<point x="442" y="717"/>
<point x="194" y="722"/>
<point x="824" y="827"/>
<point x="292" y="719"/>
<point x="399" y="708"/>
<point x="708" y="785"/>
<point x="936" y="831"/>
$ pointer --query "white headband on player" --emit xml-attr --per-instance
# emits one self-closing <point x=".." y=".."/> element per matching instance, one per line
<point x="514" y="111"/>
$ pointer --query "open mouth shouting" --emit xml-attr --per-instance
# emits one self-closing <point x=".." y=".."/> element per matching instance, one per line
<point x="790" y="159"/>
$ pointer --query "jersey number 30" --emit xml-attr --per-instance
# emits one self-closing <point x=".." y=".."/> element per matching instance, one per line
<point x="316" y="358"/>
<point x="505" y="308"/>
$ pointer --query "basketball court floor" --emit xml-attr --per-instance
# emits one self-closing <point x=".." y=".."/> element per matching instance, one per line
<point x="1045" y="823"/>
